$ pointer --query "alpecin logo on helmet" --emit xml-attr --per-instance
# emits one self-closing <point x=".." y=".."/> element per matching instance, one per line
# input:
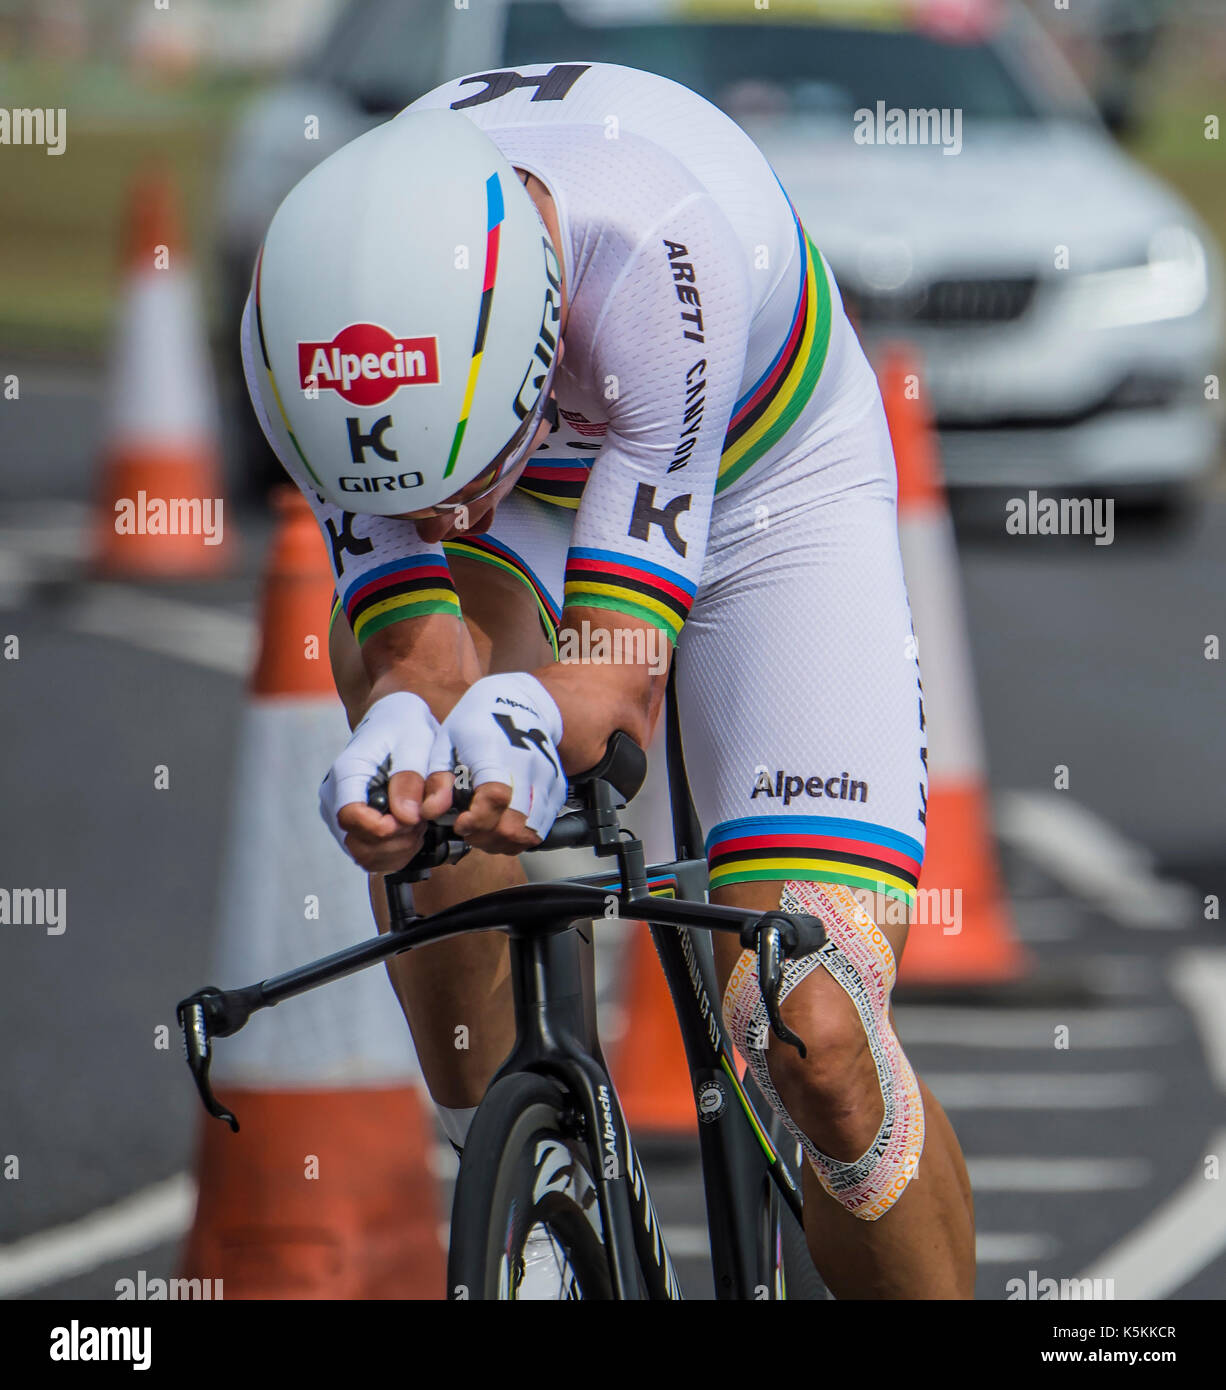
<point x="366" y="365"/>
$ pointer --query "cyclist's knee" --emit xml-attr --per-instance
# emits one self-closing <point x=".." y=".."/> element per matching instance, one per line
<point x="854" y="1101"/>
<point x="832" y="1091"/>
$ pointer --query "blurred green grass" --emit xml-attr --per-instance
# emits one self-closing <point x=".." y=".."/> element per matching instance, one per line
<point x="1184" y="86"/>
<point x="62" y="217"/>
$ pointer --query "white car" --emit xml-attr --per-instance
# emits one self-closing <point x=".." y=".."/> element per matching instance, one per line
<point x="1066" y="304"/>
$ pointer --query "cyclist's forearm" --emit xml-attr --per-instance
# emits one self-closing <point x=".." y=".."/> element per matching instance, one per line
<point x="595" y="696"/>
<point x="432" y="657"/>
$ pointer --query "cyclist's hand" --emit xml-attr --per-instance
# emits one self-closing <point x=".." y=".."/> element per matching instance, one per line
<point x="399" y="726"/>
<point x="505" y="731"/>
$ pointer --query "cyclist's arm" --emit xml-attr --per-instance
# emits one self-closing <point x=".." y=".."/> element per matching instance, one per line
<point x="671" y="365"/>
<point x="596" y="700"/>
<point x="433" y="657"/>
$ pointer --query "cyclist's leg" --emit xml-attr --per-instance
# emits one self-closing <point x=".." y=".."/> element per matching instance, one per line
<point x="807" y="776"/>
<point x="456" y="994"/>
<point x="922" y="1245"/>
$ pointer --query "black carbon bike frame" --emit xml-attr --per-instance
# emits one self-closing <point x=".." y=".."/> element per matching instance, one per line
<point x="740" y="1149"/>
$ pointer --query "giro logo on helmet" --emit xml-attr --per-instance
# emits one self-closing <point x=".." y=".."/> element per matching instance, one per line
<point x="385" y="482"/>
<point x="531" y="386"/>
<point x="366" y="365"/>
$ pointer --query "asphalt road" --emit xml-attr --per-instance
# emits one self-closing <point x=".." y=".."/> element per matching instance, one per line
<point x="1085" y="1158"/>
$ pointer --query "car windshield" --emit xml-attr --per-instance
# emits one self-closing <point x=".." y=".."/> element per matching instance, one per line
<point x="783" y="68"/>
<point x="386" y="54"/>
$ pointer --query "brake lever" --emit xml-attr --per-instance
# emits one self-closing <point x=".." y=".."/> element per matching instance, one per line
<point x="204" y="1008"/>
<point x="777" y="936"/>
<point x="770" y="978"/>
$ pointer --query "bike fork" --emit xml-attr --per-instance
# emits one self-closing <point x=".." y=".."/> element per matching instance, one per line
<point x="556" y="1035"/>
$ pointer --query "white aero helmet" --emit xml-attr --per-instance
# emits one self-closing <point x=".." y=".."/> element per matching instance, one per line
<point x="406" y="305"/>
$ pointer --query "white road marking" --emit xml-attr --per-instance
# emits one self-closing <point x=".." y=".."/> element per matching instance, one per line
<point x="992" y="1248"/>
<point x="693" y="1243"/>
<point x="60" y="381"/>
<point x="156" y="1214"/>
<point x="164" y="1211"/>
<point x="1035" y="1028"/>
<point x="50" y="544"/>
<point x="1057" y="1174"/>
<point x="48" y="537"/>
<point x="208" y="637"/>
<point x="41" y="548"/>
<point x="1090" y="858"/>
<point x="1199" y="979"/>
<point x="1042" y="1090"/>
<point x="1186" y="1233"/>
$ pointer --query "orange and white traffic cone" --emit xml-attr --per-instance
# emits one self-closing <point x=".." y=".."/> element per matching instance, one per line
<point x="650" y="1070"/>
<point x="963" y="933"/>
<point x="327" y="1190"/>
<point x="162" y="510"/>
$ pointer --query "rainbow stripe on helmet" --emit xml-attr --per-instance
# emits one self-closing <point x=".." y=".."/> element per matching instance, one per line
<point x="495" y="212"/>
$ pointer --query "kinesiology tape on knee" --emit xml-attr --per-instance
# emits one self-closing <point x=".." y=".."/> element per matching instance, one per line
<point x="859" y="958"/>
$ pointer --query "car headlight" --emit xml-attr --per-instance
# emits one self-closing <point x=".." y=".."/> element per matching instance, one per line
<point x="1171" y="283"/>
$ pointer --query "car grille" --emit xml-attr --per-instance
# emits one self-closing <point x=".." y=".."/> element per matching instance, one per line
<point x="1133" y="391"/>
<point x="947" y="302"/>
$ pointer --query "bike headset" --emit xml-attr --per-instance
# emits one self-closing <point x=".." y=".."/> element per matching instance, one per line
<point x="407" y="301"/>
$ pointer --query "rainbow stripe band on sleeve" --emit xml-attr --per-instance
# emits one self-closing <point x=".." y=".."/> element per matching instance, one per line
<point x="815" y="849"/>
<point x="405" y="588"/>
<point x="607" y="579"/>
<point x="767" y="410"/>
<point x="494" y="215"/>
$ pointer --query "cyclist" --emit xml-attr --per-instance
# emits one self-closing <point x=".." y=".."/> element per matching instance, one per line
<point x="566" y="383"/>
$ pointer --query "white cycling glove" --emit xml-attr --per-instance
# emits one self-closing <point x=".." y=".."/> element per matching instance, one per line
<point x="507" y="729"/>
<point x="399" y="726"/>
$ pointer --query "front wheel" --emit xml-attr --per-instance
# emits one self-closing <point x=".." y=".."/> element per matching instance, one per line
<point x="526" y="1221"/>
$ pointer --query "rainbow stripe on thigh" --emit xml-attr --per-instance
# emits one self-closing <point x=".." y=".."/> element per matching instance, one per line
<point x="815" y="849"/>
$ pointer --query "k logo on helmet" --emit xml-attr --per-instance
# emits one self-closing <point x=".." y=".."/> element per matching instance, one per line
<point x="366" y="365"/>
